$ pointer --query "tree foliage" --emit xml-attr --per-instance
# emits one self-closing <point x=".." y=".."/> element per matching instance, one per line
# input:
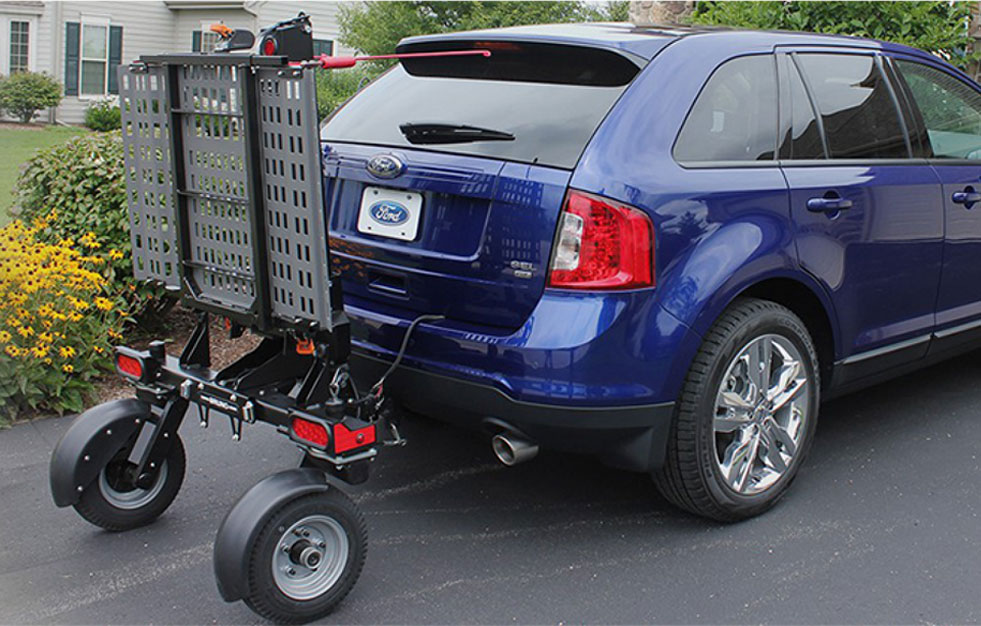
<point x="938" y="27"/>
<point x="377" y="27"/>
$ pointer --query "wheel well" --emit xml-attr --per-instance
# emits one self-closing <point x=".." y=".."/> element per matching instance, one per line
<point x="802" y="301"/>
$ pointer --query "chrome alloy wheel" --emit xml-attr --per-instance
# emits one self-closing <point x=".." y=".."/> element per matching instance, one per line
<point x="310" y="557"/>
<point x="761" y="410"/>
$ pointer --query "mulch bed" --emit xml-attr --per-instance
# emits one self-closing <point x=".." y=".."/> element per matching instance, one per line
<point x="179" y="326"/>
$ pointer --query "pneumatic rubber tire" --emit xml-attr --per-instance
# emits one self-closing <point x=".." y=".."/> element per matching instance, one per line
<point x="118" y="507"/>
<point x="691" y="477"/>
<point x="267" y="594"/>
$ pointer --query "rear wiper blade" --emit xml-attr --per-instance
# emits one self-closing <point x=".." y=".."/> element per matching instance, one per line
<point x="451" y="133"/>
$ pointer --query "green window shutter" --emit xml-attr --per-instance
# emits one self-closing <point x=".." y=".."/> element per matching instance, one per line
<point x="196" y="41"/>
<point x="115" y="56"/>
<point x="72" y="40"/>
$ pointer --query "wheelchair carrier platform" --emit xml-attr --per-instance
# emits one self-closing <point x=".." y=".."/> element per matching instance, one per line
<point x="225" y="193"/>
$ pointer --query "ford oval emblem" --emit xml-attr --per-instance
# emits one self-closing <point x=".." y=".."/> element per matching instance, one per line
<point x="385" y="166"/>
<point x="388" y="213"/>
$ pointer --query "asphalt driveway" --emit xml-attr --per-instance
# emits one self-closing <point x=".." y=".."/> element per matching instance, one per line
<point x="882" y="526"/>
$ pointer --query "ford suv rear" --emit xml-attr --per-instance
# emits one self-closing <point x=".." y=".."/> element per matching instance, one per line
<point x="653" y="246"/>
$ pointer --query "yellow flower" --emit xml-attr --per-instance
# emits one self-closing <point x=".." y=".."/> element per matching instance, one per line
<point x="25" y="331"/>
<point x="67" y="368"/>
<point x="88" y="240"/>
<point x="115" y="255"/>
<point x="103" y="304"/>
<point x="114" y="335"/>
<point x="66" y="352"/>
<point x="12" y="350"/>
<point x="4" y="336"/>
<point x="75" y="317"/>
<point x="40" y="352"/>
<point x="98" y="350"/>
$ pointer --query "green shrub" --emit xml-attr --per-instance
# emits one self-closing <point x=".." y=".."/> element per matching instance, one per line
<point x="25" y="93"/>
<point x="82" y="180"/>
<point x="334" y="87"/>
<point x="103" y="116"/>
<point x="57" y="319"/>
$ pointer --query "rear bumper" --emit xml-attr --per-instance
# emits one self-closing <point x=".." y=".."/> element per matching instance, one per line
<point x="596" y="373"/>
<point x="629" y="437"/>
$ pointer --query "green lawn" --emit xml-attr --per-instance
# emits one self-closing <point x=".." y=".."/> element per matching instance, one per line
<point x="17" y="145"/>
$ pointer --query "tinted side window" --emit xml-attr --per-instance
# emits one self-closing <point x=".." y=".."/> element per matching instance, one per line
<point x="856" y="106"/>
<point x="805" y="139"/>
<point x="734" y="118"/>
<point x="951" y="110"/>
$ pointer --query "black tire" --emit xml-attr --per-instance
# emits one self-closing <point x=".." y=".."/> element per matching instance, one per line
<point x="102" y="503"/>
<point x="691" y="478"/>
<point x="265" y="596"/>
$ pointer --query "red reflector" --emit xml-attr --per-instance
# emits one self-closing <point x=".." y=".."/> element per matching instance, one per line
<point x="310" y="432"/>
<point x="602" y="244"/>
<point x="129" y="366"/>
<point x="345" y="439"/>
<point x="269" y="46"/>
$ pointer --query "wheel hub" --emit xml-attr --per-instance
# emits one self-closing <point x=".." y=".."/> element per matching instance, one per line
<point x="761" y="408"/>
<point x="311" y="557"/>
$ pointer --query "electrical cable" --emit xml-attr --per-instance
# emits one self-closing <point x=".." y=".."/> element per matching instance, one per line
<point x="401" y="353"/>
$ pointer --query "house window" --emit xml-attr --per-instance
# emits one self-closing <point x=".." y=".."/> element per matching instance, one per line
<point x="209" y="40"/>
<point x="323" y="46"/>
<point x="19" y="46"/>
<point x="95" y="59"/>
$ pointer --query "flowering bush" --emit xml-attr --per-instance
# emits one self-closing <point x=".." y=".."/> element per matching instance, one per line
<point x="83" y="180"/>
<point x="57" y="319"/>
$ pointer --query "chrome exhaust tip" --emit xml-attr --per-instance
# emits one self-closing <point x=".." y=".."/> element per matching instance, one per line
<point x="511" y="450"/>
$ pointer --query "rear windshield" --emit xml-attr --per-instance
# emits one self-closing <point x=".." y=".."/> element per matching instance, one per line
<point x="530" y="103"/>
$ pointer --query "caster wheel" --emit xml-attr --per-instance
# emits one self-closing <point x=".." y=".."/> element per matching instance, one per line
<point x="115" y="503"/>
<point x="306" y="558"/>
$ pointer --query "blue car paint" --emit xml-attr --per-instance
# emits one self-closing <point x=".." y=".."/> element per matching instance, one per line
<point x="719" y="231"/>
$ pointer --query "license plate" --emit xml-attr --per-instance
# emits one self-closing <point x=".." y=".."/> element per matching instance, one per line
<point x="390" y="213"/>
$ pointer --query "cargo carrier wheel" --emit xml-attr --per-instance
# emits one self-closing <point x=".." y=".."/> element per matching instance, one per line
<point x="306" y="557"/>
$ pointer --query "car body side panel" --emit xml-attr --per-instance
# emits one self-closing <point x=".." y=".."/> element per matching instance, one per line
<point x="719" y="229"/>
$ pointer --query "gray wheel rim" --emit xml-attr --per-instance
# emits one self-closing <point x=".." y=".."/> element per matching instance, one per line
<point x="318" y="537"/>
<point x="134" y="498"/>
<point x="761" y="411"/>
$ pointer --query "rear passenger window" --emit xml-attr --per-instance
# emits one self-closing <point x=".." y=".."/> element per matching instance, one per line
<point x="857" y="108"/>
<point x="805" y="139"/>
<point x="951" y="111"/>
<point x="734" y="118"/>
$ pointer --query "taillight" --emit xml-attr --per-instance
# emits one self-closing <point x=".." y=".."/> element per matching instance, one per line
<point x="269" y="46"/>
<point x="129" y="366"/>
<point x="346" y="439"/>
<point x="310" y="432"/>
<point x="602" y="244"/>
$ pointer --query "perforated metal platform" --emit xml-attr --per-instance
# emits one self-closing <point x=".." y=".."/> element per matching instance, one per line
<point x="237" y="220"/>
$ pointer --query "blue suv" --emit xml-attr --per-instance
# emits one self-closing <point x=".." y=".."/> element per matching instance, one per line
<point x="661" y="247"/>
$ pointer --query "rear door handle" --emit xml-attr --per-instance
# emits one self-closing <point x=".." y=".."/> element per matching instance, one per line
<point x="828" y="205"/>
<point x="967" y="197"/>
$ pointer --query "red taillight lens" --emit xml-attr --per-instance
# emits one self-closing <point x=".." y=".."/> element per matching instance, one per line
<point x="310" y="432"/>
<point x="128" y="366"/>
<point x="602" y="244"/>
<point x="345" y="439"/>
<point x="269" y="46"/>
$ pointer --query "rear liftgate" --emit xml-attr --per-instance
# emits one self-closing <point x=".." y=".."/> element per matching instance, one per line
<point x="226" y="207"/>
